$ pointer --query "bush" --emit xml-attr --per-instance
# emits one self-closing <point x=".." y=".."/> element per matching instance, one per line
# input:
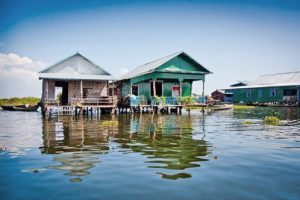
<point x="19" y="101"/>
<point x="109" y="123"/>
<point x="242" y="107"/>
<point x="186" y="100"/>
<point x="160" y="100"/>
<point x="271" y="120"/>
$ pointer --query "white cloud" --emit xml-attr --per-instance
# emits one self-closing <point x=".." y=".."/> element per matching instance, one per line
<point x="19" y="76"/>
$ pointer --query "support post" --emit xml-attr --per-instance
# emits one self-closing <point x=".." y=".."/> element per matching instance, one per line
<point x="203" y="84"/>
<point x="113" y="89"/>
<point x="81" y="89"/>
<point x="180" y="88"/>
<point x="107" y="88"/>
<point x="47" y="92"/>
<point x="154" y="89"/>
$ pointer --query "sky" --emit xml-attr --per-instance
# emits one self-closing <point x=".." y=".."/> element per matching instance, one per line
<point x="236" y="40"/>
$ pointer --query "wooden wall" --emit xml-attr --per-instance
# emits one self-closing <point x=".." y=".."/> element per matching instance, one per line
<point x="92" y="89"/>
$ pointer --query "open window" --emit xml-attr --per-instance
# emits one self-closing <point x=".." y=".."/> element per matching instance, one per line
<point x="135" y="90"/>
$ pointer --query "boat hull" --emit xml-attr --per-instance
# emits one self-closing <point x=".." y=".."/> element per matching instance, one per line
<point x="21" y="108"/>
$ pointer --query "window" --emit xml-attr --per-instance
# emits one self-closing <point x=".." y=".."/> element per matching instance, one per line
<point x="85" y="92"/>
<point x="135" y="90"/>
<point x="248" y="93"/>
<point x="289" y="92"/>
<point x="260" y="93"/>
<point x="273" y="92"/>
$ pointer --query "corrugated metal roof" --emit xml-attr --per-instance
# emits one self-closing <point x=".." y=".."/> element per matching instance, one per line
<point x="280" y="78"/>
<point x="75" y="67"/>
<point x="64" y="76"/>
<point x="151" y="66"/>
<point x="274" y="80"/>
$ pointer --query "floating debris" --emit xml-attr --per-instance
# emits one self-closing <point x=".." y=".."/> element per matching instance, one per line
<point x="109" y="123"/>
<point x="2" y="148"/>
<point x="247" y="122"/>
<point x="242" y="107"/>
<point x="34" y="170"/>
<point x="76" y="180"/>
<point x="271" y="120"/>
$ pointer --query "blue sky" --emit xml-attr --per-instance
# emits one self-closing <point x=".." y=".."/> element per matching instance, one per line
<point x="236" y="40"/>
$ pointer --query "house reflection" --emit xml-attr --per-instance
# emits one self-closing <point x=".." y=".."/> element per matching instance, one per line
<point x="76" y="144"/>
<point x="168" y="143"/>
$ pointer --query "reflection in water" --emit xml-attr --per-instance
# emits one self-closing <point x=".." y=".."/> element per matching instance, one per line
<point x="77" y="144"/>
<point x="284" y="113"/>
<point x="167" y="141"/>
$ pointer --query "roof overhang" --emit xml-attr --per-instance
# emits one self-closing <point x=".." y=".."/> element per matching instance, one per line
<point x="263" y="86"/>
<point x="61" y="76"/>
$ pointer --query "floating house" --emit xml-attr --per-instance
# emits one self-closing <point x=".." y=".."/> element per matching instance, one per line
<point x="75" y="80"/>
<point x="170" y="76"/>
<point x="281" y="88"/>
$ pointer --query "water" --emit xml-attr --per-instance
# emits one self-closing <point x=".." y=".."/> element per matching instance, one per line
<point x="215" y="156"/>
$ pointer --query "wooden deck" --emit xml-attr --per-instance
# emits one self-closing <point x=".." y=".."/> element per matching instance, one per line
<point x="82" y="106"/>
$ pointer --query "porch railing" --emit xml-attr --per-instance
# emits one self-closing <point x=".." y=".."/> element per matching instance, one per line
<point x="166" y="101"/>
<point x="109" y="100"/>
<point x="135" y="100"/>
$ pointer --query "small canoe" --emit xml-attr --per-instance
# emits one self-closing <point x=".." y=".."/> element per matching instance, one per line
<point x="21" y="108"/>
<point x="11" y="108"/>
<point x="222" y="107"/>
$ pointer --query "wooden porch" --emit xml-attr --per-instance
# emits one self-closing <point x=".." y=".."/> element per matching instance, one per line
<point x="81" y="106"/>
<point x="167" y="105"/>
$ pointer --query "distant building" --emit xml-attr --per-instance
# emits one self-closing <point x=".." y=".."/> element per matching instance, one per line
<point x="218" y="95"/>
<point x="222" y="95"/>
<point x="240" y="83"/>
<point x="281" y="88"/>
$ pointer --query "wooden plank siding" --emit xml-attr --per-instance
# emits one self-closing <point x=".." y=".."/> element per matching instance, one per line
<point x="144" y="88"/>
<point x="94" y="89"/>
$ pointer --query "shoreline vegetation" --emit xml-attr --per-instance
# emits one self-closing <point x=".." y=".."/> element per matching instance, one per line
<point x="19" y="101"/>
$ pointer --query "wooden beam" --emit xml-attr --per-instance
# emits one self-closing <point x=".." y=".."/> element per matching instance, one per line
<point x="47" y="93"/>
<point x="203" y="91"/>
<point x="154" y="88"/>
<point x="180" y="88"/>
<point x="81" y="89"/>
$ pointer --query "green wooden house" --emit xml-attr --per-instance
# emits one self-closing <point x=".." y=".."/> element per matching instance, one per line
<point x="283" y="88"/>
<point x="170" y="76"/>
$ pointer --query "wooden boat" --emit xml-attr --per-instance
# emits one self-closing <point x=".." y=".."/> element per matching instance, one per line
<point x="11" y="108"/>
<point x="222" y="107"/>
<point x="21" y="108"/>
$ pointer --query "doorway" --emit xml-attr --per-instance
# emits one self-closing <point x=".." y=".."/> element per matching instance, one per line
<point x="158" y="88"/>
<point x="61" y="92"/>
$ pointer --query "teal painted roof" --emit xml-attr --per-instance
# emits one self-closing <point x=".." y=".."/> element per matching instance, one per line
<point x="154" y="65"/>
<point x="75" y="67"/>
